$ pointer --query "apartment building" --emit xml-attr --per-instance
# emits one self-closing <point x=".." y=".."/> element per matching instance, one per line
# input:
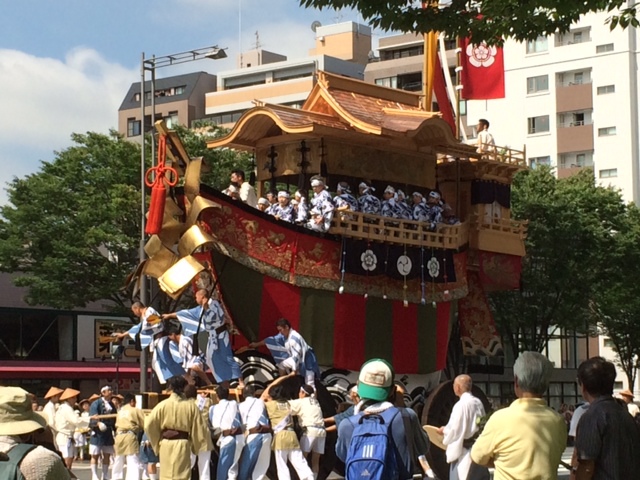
<point x="269" y="77"/>
<point x="178" y="100"/>
<point x="572" y="99"/>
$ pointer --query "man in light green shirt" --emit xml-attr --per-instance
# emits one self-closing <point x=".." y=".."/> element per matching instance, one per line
<point x="526" y="440"/>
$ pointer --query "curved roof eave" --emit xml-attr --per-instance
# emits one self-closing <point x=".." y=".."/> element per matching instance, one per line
<point x="254" y="125"/>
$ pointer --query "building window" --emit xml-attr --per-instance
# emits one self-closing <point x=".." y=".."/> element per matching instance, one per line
<point x="462" y="107"/>
<point x="604" y="48"/>
<point x="179" y="90"/>
<point x="133" y="127"/>
<point x="538" y="84"/>
<point x="171" y="119"/>
<point x="390" y="82"/>
<point x="606" y="131"/>
<point x="606" y="89"/>
<point x="538" y="161"/>
<point x="617" y="385"/>
<point x="607" y="341"/>
<point x="608" y="173"/>
<point x="538" y="45"/>
<point x="136" y="97"/>
<point x="538" y="124"/>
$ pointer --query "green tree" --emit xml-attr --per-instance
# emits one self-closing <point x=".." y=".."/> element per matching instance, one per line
<point x="71" y="230"/>
<point x="488" y="20"/>
<point x="570" y="225"/>
<point x="616" y="298"/>
<point x="218" y="162"/>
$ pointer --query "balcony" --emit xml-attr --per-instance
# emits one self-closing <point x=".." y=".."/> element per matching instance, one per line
<point x="500" y="235"/>
<point x="402" y="232"/>
<point x="574" y="96"/>
<point x="575" y="137"/>
<point x="566" y="172"/>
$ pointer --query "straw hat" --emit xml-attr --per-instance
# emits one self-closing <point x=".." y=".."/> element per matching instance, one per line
<point x="626" y="393"/>
<point x="69" y="393"/>
<point x="16" y="415"/>
<point x="53" y="391"/>
<point x="93" y="397"/>
<point x="435" y="437"/>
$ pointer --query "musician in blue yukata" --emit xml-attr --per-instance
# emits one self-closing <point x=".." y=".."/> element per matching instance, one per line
<point x="283" y="210"/>
<point x="407" y="211"/>
<point x="390" y="205"/>
<point x="322" y="207"/>
<point x="226" y="424"/>
<point x="193" y="364"/>
<point x="291" y="352"/>
<point x="420" y="209"/>
<point x="435" y="209"/>
<point x="344" y="201"/>
<point x="367" y="202"/>
<point x="302" y="208"/>
<point x="210" y="316"/>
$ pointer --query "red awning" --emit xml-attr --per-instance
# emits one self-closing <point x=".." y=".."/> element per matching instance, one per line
<point x="67" y="370"/>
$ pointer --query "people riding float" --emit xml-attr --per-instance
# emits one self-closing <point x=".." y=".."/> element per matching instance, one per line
<point x="302" y="211"/>
<point x="283" y="210"/>
<point x="344" y="201"/>
<point x="192" y="364"/>
<point x="291" y="352"/>
<point x="435" y="210"/>
<point x="367" y="202"/>
<point x="322" y="207"/>
<point x="246" y="193"/>
<point x="390" y="207"/>
<point x="209" y="316"/>
<point x="263" y="204"/>
<point x="404" y="206"/>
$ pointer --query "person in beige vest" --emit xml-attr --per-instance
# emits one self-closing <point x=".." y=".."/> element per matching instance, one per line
<point x="129" y="425"/>
<point x="176" y="430"/>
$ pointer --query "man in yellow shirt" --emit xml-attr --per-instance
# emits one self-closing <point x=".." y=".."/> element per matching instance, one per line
<point x="527" y="439"/>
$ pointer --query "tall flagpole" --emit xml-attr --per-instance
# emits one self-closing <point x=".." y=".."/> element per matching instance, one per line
<point x="428" y="69"/>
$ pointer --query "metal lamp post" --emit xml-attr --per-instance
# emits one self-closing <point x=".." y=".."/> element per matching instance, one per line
<point x="150" y="64"/>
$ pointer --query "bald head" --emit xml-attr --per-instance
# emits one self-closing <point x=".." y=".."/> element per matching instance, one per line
<point x="462" y="384"/>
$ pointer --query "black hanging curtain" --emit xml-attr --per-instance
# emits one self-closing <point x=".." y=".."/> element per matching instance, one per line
<point x="487" y="191"/>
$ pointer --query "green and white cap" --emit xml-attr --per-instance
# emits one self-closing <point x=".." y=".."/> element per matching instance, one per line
<point x="375" y="380"/>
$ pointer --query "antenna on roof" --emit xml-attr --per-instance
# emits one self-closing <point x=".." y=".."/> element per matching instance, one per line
<point x="258" y="44"/>
<point x="315" y="24"/>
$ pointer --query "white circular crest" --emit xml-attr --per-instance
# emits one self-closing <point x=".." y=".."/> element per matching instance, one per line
<point x="433" y="266"/>
<point x="404" y="265"/>
<point x="481" y="55"/>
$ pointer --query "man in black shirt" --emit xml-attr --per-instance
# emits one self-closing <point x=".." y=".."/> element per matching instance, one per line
<point x="607" y="440"/>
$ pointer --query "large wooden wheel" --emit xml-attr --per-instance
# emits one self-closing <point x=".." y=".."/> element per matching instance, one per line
<point x="437" y="411"/>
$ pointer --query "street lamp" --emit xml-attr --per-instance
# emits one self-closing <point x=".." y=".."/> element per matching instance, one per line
<point x="150" y="64"/>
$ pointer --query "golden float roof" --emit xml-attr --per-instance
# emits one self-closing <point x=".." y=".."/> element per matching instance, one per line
<point x="345" y="108"/>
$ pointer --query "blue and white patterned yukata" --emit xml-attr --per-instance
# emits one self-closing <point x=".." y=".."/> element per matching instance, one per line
<point x="219" y="356"/>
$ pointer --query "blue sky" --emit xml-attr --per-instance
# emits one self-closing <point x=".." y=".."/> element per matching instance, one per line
<point x="66" y="65"/>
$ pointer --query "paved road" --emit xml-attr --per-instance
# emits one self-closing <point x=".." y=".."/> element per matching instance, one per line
<point x="83" y="470"/>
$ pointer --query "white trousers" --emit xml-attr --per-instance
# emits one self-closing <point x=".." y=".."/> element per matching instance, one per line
<point x="298" y="462"/>
<point x="117" y="467"/>
<point x="133" y="467"/>
<point x="459" y="470"/>
<point x="204" y="465"/>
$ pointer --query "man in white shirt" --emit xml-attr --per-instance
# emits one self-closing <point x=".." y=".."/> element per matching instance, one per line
<point x="462" y="425"/>
<point x="256" y="454"/>
<point x="227" y="426"/>
<point x="485" y="142"/>
<point x="246" y="191"/>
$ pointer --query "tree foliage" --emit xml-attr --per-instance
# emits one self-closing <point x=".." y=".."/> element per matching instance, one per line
<point x="616" y="298"/>
<point x="218" y="162"/>
<point x="483" y="20"/>
<point x="71" y="230"/>
<point x="570" y="227"/>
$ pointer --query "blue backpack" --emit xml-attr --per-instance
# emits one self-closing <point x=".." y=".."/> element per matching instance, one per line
<point x="372" y="453"/>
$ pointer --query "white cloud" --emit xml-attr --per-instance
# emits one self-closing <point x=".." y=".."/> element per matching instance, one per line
<point x="44" y="100"/>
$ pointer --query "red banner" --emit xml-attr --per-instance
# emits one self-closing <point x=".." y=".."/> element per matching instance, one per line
<point x="482" y="71"/>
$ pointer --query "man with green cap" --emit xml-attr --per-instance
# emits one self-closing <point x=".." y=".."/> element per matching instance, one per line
<point x="376" y="390"/>
<point x="18" y="424"/>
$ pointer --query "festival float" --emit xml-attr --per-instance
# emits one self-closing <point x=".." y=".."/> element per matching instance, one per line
<point x="371" y="286"/>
